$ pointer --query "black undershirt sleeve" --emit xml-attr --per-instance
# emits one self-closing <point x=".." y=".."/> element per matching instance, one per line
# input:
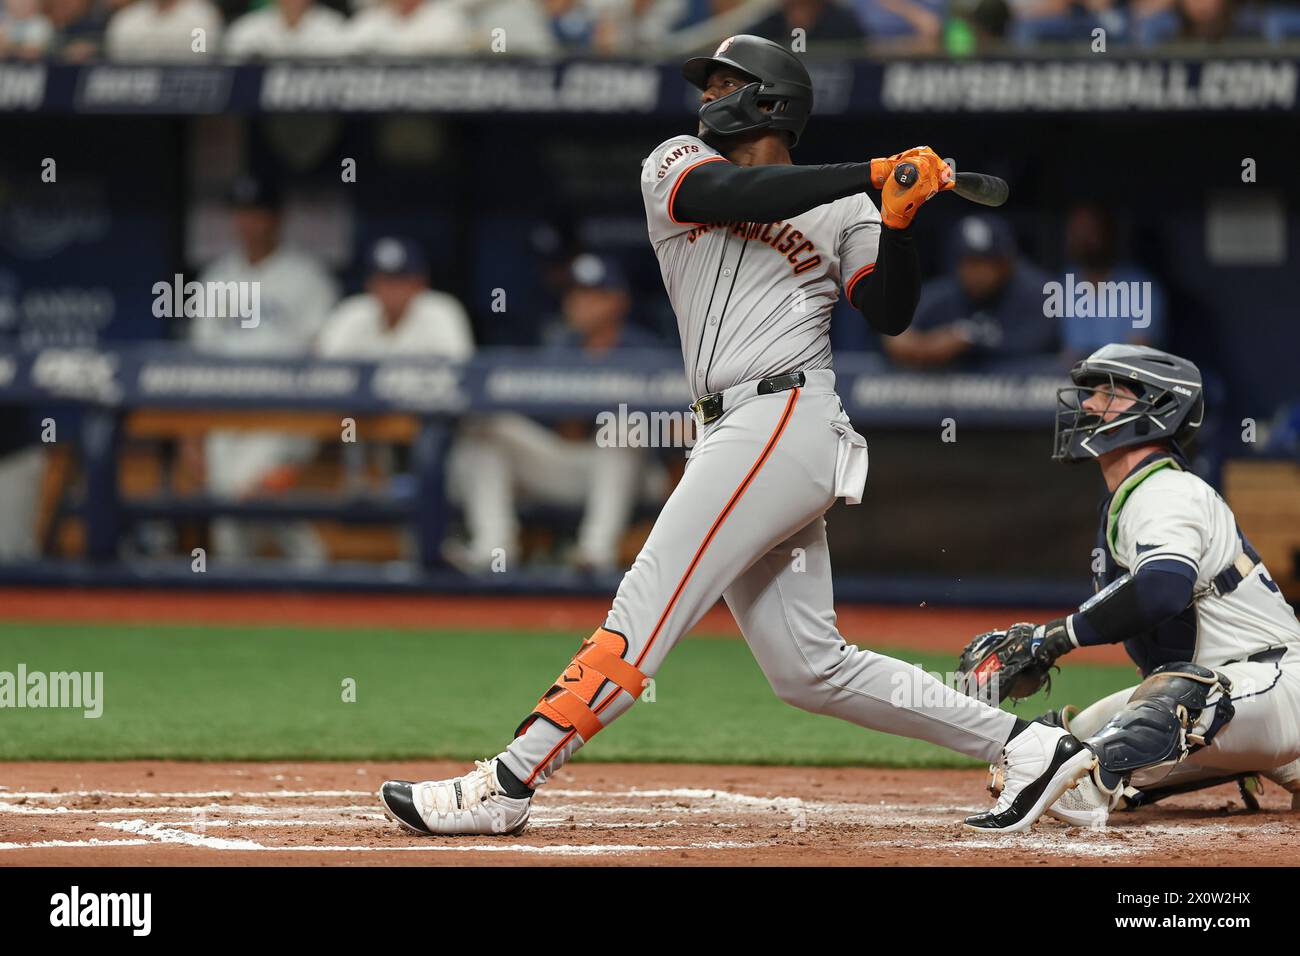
<point x="887" y="297"/>
<point x="716" y="192"/>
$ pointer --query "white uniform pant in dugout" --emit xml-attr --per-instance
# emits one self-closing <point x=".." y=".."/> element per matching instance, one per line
<point x="500" y="461"/>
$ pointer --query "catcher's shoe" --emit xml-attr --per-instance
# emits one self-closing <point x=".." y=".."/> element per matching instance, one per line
<point x="1038" y="765"/>
<point x="472" y="804"/>
<point x="1088" y="804"/>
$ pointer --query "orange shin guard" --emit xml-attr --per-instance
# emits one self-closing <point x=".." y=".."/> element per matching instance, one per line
<point x="568" y="703"/>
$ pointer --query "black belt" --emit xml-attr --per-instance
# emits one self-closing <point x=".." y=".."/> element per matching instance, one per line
<point x="708" y="408"/>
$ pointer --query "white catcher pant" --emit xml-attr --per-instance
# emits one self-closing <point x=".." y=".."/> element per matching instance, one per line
<point x="755" y="489"/>
<point x="1263" y="735"/>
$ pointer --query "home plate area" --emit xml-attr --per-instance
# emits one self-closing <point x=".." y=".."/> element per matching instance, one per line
<point x="143" y="813"/>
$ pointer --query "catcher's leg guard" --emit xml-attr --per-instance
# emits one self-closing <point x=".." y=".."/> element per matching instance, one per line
<point x="1158" y="724"/>
<point x="567" y="704"/>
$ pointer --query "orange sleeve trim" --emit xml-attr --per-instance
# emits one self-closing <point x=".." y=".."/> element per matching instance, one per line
<point x="686" y="576"/>
<point x="860" y="274"/>
<point x="672" y="196"/>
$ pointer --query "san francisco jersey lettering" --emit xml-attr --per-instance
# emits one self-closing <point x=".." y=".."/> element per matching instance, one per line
<point x="752" y="299"/>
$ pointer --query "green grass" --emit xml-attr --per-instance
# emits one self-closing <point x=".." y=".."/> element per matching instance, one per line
<point x="275" y="693"/>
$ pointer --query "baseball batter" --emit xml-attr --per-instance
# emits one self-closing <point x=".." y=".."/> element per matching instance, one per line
<point x="754" y="251"/>
<point x="1183" y="590"/>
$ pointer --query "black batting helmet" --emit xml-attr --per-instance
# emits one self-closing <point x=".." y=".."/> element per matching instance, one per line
<point x="1169" y="404"/>
<point x="780" y="81"/>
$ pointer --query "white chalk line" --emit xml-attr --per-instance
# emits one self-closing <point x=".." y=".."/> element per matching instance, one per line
<point x="74" y="844"/>
<point x="181" y="794"/>
<point x="161" y="833"/>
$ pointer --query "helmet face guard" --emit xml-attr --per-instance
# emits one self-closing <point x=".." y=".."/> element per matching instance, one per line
<point x="779" y="96"/>
<point x="1168" y="403"/>
<point x="737" y="112"/>
<point x="1155" y="414"/>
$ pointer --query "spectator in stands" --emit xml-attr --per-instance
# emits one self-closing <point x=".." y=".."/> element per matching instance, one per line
<point x="1281" y="22"/>
<point x="398" y="314"/>
<point x="1154" y="22"/>
<point x="79" y="28"/>
<point x="1058" y="21"/>
<point x="628" y="25"/>
<point x="573" y="24"/>
<point x="1092" y="254"/>
<point x="295" y="294"/>
<point x="991" y="308"/>
<point x="409" y="28"/>
<point x="975" y="24"/>
<point x="164" y="30"/>
<point x="24" y="32"/>
<point x="1211" y="21"/>
<point x="287" y="29"/>
<point x="915" y="24"/>
<point x="525" y="29"/>
<point x="822" y="21"/>
<point x="516" y="455"/>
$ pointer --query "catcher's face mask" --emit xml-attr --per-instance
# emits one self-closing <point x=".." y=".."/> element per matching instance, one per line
<point x="1100" y="416"/>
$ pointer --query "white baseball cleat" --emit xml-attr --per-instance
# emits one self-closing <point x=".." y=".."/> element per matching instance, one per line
<point x="472" y="804"/>
<point x="1086" y="805"/>
<point x="1037" y="765"/>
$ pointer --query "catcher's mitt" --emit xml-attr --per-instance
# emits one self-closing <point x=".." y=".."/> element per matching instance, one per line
<point x="1004" y="664"/>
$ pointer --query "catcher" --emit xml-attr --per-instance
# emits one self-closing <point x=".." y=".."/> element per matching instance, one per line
<point x="1217" y="645"/>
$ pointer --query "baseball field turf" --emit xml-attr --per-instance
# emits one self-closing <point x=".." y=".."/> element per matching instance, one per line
<point x="280" y="693"/>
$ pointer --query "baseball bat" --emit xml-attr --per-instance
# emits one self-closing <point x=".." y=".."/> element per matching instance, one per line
<point x="982" y="188"/>
<point x="975" y="187"/>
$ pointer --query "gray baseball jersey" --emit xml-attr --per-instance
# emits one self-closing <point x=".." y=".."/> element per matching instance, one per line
<point x="752" y="299"/>
<point x="745" y="522"/>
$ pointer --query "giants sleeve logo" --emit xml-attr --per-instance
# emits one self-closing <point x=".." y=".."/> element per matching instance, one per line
<point x="674" y="155"/>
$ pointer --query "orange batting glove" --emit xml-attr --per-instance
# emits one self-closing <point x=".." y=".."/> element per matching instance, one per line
<point x="881" y="168"/>
<point x="913" y="178"/>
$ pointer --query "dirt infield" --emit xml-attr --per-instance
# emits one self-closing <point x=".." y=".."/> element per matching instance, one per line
<point x="150" y="813"/>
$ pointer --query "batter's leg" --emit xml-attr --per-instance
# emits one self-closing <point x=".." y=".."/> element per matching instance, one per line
<point x="784" y="606"/>
<point x="761" y="472"/>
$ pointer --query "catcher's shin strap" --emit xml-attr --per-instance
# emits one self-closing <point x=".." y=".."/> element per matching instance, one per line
<point x="708" y="408"/>
<point x="567" y="704"/>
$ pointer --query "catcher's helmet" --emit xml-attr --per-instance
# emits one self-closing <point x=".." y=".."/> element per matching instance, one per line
<point x="780" y="81"/>
<point x="1169" y="406"/>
